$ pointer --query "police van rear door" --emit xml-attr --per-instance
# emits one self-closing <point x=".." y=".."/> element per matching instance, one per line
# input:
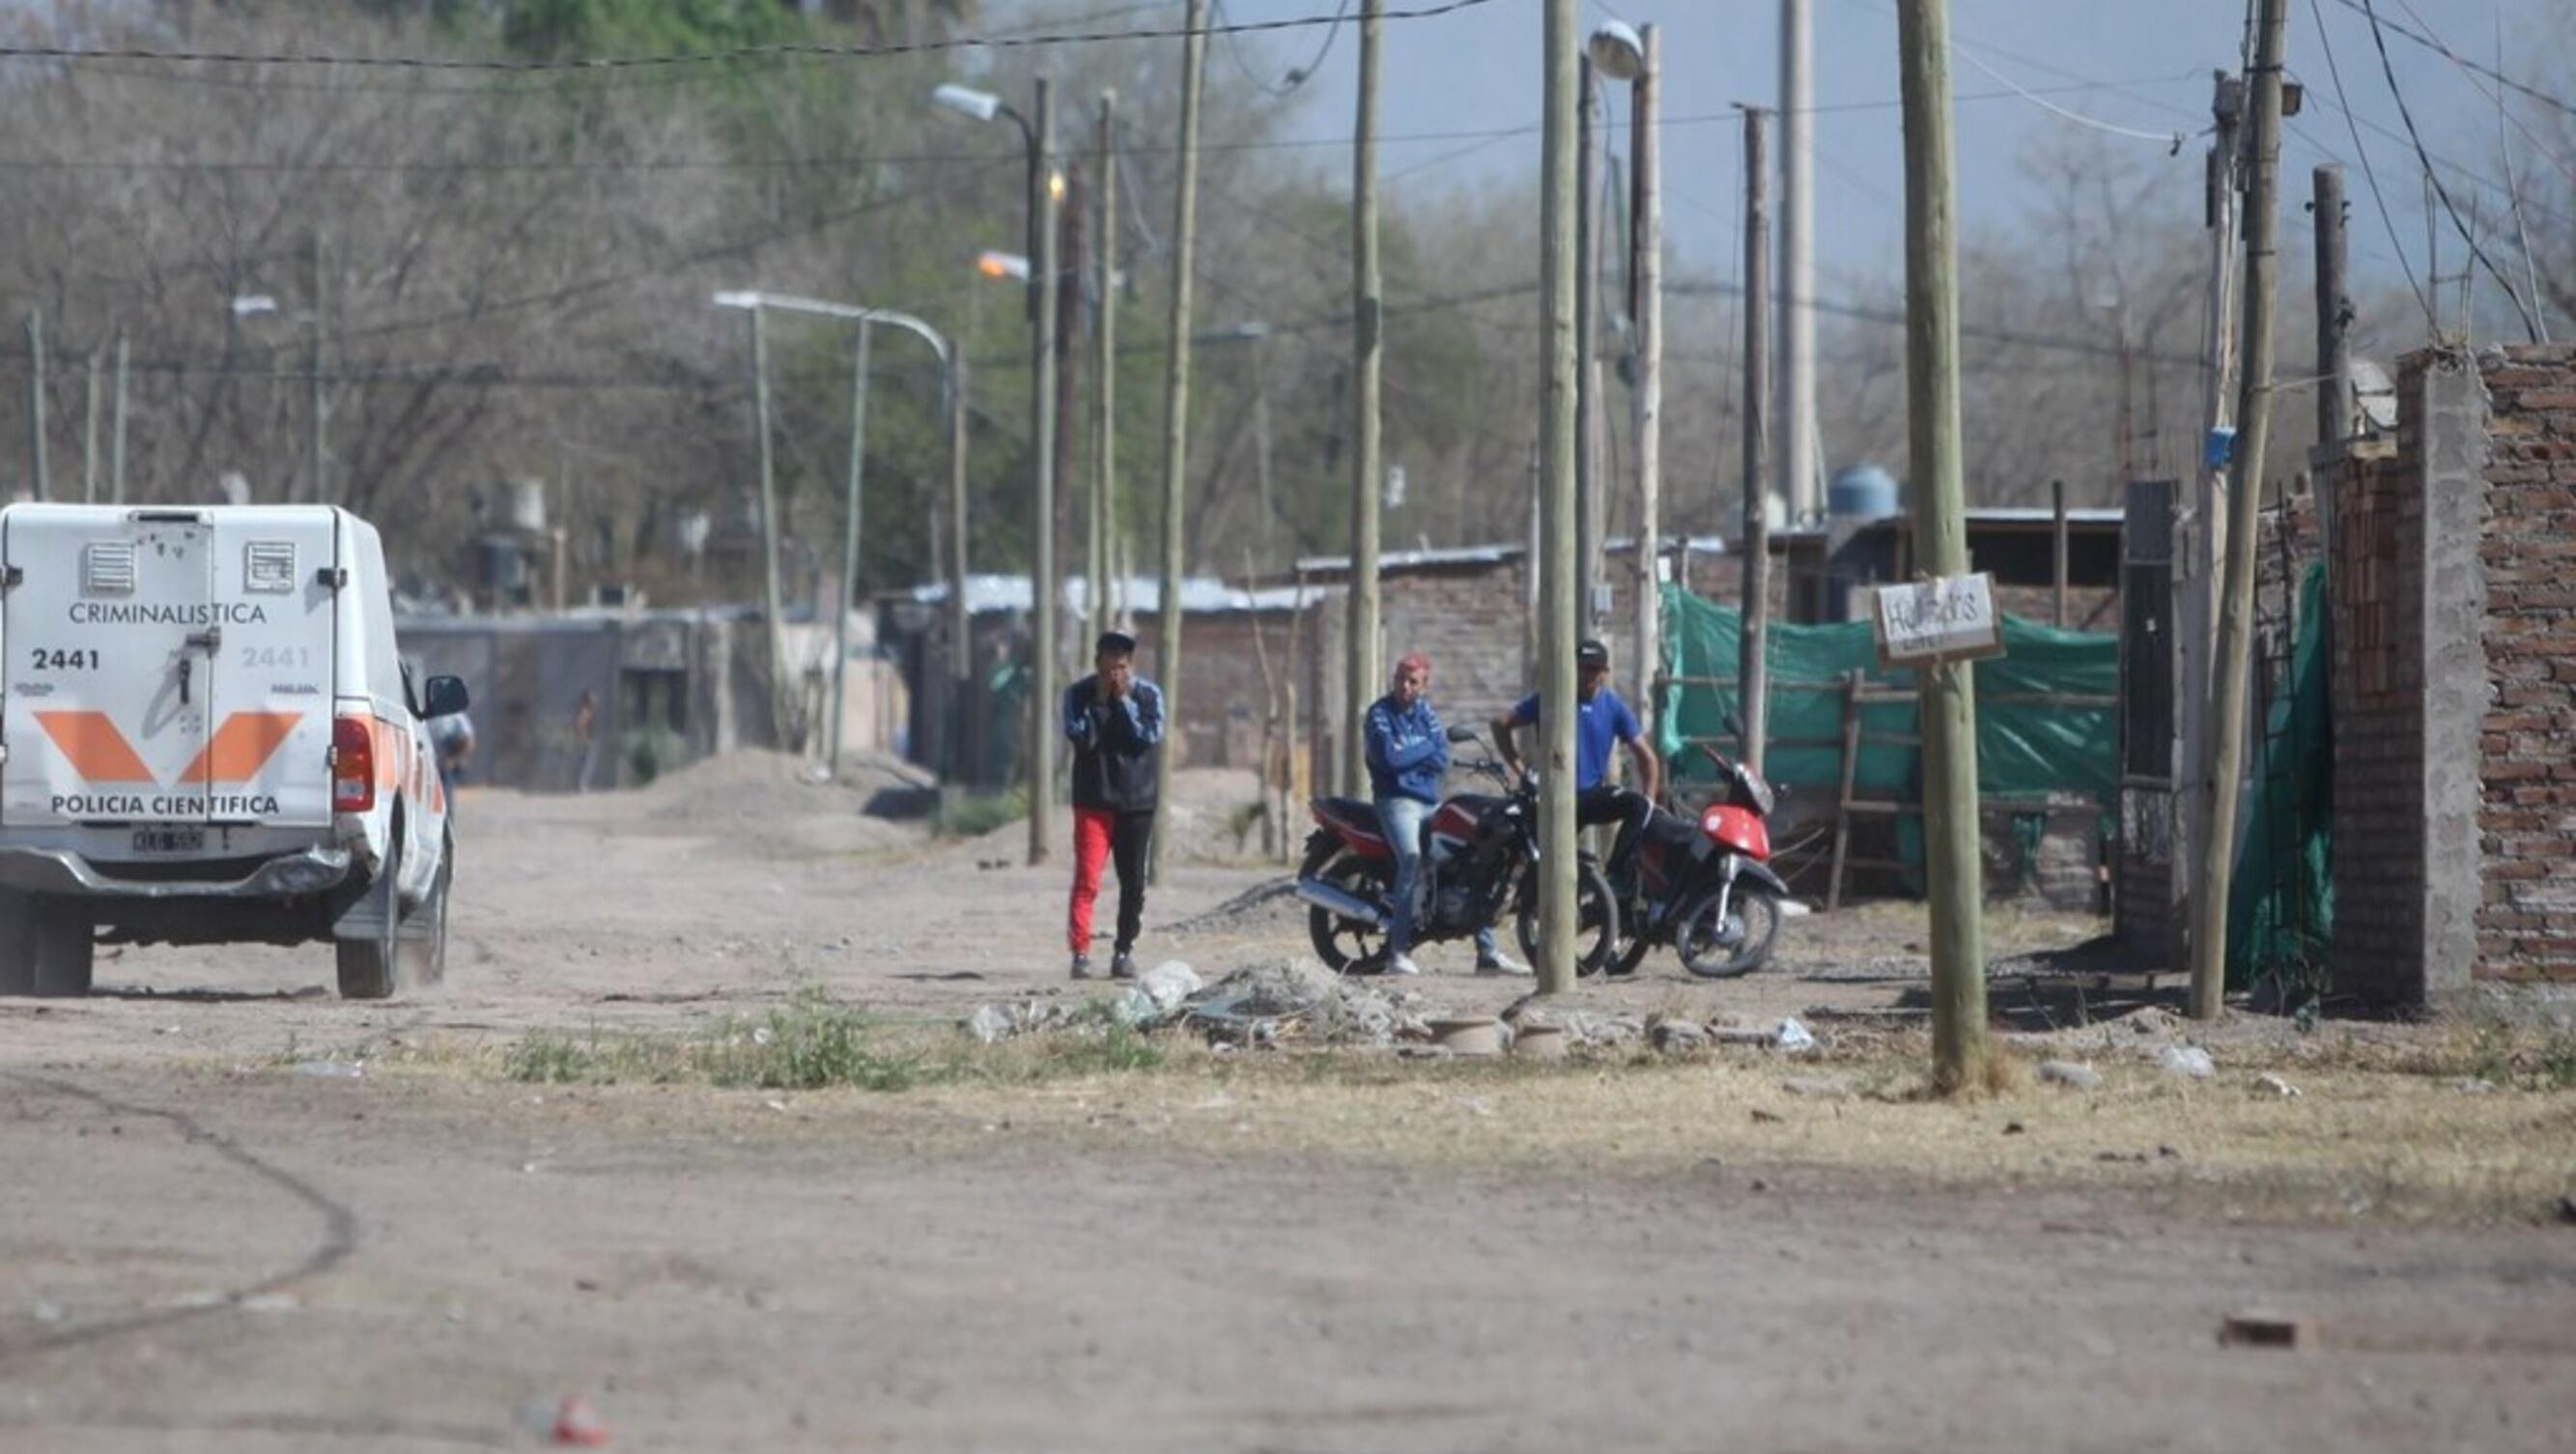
<point x="277" y="571"/>
<point x="110" y="632"/>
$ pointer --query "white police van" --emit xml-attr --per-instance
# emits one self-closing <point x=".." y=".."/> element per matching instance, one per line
<point x="207" y="736"/>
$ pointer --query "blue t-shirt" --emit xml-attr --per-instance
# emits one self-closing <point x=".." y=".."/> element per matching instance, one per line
<point x="1599" y="726"/>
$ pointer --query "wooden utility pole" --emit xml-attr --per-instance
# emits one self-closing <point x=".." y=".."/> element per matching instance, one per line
<point x="1104" y="370"/>
<point x="1753" y="671"/>
<point x="1176" y="419"/>
<point x="961" y="621"/>
<point x="1587" y="327"/>
<point x="1558" y="288"/>
<point x="1949" y="703"/>
<point x="116" y="430"/>
<point x="317" y="423"/>
<point x="42" y="481"/>
<point x="1646" y="102"/>
<point x="780" y="712"/>
<point x="2236" y="606"/>
<point x="89" y="429"/>
<point x="1073" y="271"/>
<point x="2203" y="525"/>
<point x="1043" y="574"/>
<point x="1360" y="620"/>
<point x="2334" y="315"/>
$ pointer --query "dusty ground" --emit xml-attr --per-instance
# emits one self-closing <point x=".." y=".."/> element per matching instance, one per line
<point x="203" y="1246"/>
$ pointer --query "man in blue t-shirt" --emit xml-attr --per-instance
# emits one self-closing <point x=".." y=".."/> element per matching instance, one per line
<point x="1601" y="721"/>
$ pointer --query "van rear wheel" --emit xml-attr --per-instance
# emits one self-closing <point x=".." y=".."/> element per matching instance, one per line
<point x="369" y="967"/>
<point x="60" y="943"/>
<point x="420" y="958"/>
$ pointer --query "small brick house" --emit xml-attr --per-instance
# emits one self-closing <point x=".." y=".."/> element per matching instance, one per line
<point x="2454" y="621"/>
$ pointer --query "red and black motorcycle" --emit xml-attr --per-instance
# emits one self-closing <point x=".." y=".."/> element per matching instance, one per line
<point x="1705" y="887"/>
<point x="1477" y="853"/>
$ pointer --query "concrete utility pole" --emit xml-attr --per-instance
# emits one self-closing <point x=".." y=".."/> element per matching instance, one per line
<point x="1104" y="370"/>
<point x="850" y="505"/>
<point x="1647" y="153"/>
<point x="1043" y="574"/>
<point x="2204" y="523"/>
<point x="2236" y="606"/>
<point x="116" y="431"/>
<point x="1176" y="418"/>
<point x="1753" y="670"/>
<point x="769" y="594"/>
<point x="2334" y="315"/>
<point x="1798" y="257"/>
<point x="1073" y="268"/>
<point x="1360" y="620"/>
<point x="1559" y="286"/>
<point x="315" y="405"/>
<point x="961" y="621"/>
<point x="42" y="481"/>
<point x="1949" y="701"/>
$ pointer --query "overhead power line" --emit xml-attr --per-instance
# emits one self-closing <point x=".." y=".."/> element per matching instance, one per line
<point x="784" y="50"/>
<point x="2406" y="114"/>
<point x="2428" y="42"/>
<point x="2378" y="198"/>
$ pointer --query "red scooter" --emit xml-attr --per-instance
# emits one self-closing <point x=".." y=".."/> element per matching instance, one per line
<point x="1706" y="888"/>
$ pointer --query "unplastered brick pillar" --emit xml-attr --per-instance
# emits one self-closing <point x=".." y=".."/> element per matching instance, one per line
<point x="2410" y="694"/>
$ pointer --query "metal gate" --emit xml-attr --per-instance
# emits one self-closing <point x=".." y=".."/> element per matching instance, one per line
<point x="2143" y="899"/>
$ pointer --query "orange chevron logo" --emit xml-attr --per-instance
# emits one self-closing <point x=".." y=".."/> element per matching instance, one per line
<point x="98" y="750"/>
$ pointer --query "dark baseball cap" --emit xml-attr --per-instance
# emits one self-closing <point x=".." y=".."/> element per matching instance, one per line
<point x="1593" y="652"/>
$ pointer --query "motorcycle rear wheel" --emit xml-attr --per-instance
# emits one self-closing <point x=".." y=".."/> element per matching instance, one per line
<point x="1596" y="915"/>
<point x="1342" y="943"/>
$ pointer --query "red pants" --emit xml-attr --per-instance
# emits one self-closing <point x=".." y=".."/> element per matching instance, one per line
<point x="1100" y="834"/>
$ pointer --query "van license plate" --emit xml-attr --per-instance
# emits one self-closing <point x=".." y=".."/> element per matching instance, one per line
<point x="172" y="839"/>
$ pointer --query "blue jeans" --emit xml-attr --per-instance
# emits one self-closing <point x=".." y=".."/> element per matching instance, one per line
<point x="1401" y="818"/>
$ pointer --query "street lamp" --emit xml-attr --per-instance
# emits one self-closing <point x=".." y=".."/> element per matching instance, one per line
<point x="1623" y="53"/>
<point x="1044" y="191"/>
<point x="755" y="303"/>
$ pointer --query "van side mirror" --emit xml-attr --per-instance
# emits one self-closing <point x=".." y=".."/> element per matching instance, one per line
<point x="445" y="698"/>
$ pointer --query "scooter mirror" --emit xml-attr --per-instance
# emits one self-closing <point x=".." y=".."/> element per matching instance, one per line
<point x="1460" y="733"/>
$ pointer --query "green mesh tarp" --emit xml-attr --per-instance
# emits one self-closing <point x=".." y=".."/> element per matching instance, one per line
<point x="2280" y="903"/>
<point x="2026" y="747"/>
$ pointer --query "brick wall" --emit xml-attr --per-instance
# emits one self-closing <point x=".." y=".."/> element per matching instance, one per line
<point x="2526" y="923"/>
<point x="2377" y="690"/>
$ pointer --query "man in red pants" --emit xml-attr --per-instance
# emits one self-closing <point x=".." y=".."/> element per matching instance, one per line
<point x="1114" y="719"/>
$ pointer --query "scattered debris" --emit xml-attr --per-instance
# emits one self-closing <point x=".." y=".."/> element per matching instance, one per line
<point x="994" y="1023"/>
<point x="2070" y="1074"/>
<point x="2265" y="1330"/>
<point x="2015" y="1128"/>
<point x="2474" y="1086"/>
<point x="577" y="1425"/>
<point x="1794" y="1037"/>
<point x="2273" y="1085"/>
<point x="1471" y="1035"/>
<point x="1674" y="1035"/>
<point x="1537" y="1041"/>
<point x="1762" y="1117"/>
<point x="1260" y="1004"/>
<point x="1170" y="984"/>
<point x="2188" y="1061"/>
<point x="1599" y="1031"/>
<point x="2567" y="1209"/>
<point x="333" y="1069"/>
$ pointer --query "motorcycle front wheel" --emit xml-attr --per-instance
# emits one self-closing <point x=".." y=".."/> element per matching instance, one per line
<point x="1341" y="942"/>
<point x="1596" y="915"/>
<point x="1715" y="946"/>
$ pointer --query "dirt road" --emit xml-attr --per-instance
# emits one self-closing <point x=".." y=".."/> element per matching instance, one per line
<point x="202" y="1246"/>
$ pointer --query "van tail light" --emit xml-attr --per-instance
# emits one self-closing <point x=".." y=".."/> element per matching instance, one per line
<point x="353" y="765"/>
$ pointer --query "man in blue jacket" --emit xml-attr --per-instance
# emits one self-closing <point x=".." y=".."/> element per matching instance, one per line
<point x="1114" y="719"/>
<point x="1408" y="754"/>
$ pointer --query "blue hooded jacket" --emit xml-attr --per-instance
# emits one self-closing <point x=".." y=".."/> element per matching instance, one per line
<point x="1408" y="754"/>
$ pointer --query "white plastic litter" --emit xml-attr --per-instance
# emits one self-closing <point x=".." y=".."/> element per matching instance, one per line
<point x="1793" y="1036"/>
<point x="2188" y="1061"/>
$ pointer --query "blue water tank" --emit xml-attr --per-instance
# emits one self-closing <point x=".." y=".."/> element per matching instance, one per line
<point x="1862" y="492"/>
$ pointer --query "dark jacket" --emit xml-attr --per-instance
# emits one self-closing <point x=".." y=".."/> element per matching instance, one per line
<point x="1116" y="745"/>
<point x="1407" y="752"/>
